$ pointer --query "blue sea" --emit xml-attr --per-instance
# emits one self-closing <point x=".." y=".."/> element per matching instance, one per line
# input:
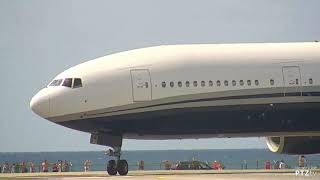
<point x="231" y="158"/>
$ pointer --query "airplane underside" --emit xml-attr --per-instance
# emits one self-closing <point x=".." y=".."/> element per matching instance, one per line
<point x="222" y="121"/>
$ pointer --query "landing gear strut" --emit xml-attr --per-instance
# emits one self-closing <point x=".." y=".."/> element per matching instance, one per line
<point x="115" y="142"/>
<point x="118" y="165"/>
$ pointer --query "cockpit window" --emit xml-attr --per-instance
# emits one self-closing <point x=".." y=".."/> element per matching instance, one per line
<point x="56" y="82"/>
<point x="67" y="82"/>
<point x="77" y="83"/>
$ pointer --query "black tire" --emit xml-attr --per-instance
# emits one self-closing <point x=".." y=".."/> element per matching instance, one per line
<point x="123" y="167"/>
<point x="112" y="168"/>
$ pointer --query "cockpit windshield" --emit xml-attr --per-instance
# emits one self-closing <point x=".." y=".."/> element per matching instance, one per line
<point x="77" y="83"/>
<point x="67" y="82"/>
<point x="56" y="82"/>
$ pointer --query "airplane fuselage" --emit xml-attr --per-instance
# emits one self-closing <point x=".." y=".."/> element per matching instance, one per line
<point x="193" y="91"/>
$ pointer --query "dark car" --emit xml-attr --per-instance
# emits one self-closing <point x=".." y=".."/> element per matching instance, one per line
<point x="192" y="165"/>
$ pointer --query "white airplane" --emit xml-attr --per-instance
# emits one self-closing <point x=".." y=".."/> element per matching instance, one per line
<point x="192" y="91"/>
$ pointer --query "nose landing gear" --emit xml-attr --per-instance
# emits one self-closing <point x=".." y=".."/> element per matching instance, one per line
<point x="114" y="141"/>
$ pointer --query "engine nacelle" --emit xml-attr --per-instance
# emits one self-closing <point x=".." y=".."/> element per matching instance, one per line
<point x="294" y="145"/>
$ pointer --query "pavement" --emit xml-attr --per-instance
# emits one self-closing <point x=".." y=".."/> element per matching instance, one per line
<point x="172" y="175"/>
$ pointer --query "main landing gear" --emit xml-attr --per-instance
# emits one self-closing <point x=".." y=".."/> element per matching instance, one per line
<point x="115" y="142"/>
<point x="118" y="165"/>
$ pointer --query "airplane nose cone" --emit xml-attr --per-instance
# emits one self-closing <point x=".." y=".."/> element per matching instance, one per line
<point x="40" y="104"/>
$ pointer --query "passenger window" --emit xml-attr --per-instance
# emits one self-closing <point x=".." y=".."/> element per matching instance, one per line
<point x="67" y="82"/>
<point x="203" y="83"/>
<point x="171" y="84"/>
<point x="218" y="83"/>
<point x="163" y="84"/>
<point x="147" y="85"/>
<point x="241" y="82"/>
<point x="297" y="81"/>
<point x="195" y="83"/>
<point x="256" y="82"/>
<point x="271" y="82"/>
<point x="249" y="82"/>
<point x="180" y="84"/>
<point x="56" y="82"/>
<point x="187" y="83"/>
<point x="234" y="83"/>
<point x="210" y="83"/>
<point x="226" y="83"/>
<point x="77" y="83"/>
<point x="310" y="81"/>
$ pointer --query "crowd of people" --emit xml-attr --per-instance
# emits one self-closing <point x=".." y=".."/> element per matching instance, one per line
<point x="61" y="166"/>
<point x="66" y="166"/>
<point x="30" y="167"/>
<point x="22" y="167"/>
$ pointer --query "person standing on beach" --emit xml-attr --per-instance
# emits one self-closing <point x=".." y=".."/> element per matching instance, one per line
<point x="245" y="165"/>
<point x="85" y="165"/>
<point x="301" y="161"/>
<point x="17" y="168"/>
<point x="89" y="165"/>
<point x="13" y="168"/>
<point x="70" y="166"/>
<point x="64" y="166"/>
<point x="59" y="166"/>
<point x="267" y="164"/>
<point x="42" y="166"/>
<point x="23" y="167"/>
<point x="1" y="168"/>
<point x="55" y="167"/>
<point x="141" y="164"/>
<point x="31" y="167"/>
<point x="5" y="167"/>
<point x="45" y="166"/>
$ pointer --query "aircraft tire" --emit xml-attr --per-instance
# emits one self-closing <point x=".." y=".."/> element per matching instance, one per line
<point x="123" y="167"/>
<point x="112" y="168"/>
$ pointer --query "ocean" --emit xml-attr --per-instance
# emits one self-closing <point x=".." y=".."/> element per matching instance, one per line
<point x="231" y="158"/>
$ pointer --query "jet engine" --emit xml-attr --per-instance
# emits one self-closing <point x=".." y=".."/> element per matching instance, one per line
<point x="294" y="145"/>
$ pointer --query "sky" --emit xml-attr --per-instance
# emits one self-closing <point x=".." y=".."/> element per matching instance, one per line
<point x="39" y="39"/>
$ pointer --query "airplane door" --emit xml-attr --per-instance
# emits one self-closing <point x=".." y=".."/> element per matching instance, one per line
<point x="292" y="80"/>
<point x="141" y="85"/>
